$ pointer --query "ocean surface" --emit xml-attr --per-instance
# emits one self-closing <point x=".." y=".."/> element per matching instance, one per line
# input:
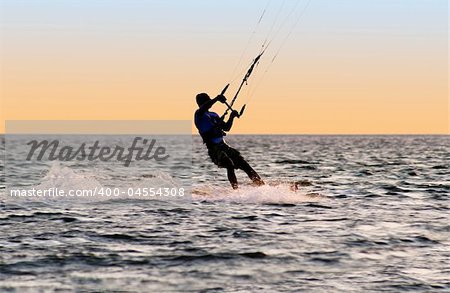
<point x="372" y="215"/>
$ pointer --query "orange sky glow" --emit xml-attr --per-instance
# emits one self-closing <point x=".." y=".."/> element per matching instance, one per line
<point x="346" y="74"/>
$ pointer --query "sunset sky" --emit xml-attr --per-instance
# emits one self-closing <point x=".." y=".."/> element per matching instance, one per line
<point x="348" y="67"/>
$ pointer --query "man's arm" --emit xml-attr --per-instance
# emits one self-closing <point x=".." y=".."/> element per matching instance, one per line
<point x="205" y="107"/>
<point x="227" y="125"/>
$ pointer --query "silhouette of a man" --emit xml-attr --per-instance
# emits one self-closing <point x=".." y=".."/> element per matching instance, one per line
<point x="212" y="129"/>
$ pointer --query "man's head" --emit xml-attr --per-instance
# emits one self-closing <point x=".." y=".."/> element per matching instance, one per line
<point x="202" y="98"/>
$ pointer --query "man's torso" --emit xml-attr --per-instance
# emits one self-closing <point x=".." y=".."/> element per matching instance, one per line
<point x="208" y="125"/>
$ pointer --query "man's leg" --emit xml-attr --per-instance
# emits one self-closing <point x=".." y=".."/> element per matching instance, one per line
<point x="244" y="166"/>
<point x="232" y="178"/>
<point x="228" y="163"/>
<point x="222" y="160"/>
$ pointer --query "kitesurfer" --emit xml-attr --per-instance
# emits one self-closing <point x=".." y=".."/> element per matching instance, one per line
<point x="212" y="129"/>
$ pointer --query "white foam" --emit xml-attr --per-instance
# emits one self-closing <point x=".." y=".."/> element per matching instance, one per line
<point x="267" y="194"/>
<point x="64" y="178"/>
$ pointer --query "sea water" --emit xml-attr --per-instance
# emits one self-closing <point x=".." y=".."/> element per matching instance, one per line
<point x="371" y="214"/>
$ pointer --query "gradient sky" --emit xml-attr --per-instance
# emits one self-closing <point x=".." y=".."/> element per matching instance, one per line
<point x="349" y="66"/>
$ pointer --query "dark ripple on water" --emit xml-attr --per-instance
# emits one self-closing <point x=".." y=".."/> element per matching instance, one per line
<point x="383" y="226"/>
